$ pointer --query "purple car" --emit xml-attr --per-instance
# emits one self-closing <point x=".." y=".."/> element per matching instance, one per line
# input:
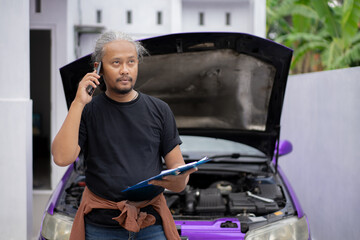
<point x="226" y="91"/>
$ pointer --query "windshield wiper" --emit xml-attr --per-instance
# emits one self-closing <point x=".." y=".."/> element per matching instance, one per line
<point x="216" y="158"/>
<point x="236" y="156"/>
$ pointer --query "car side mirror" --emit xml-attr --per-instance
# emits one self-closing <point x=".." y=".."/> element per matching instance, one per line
<point x="285" y="147"/>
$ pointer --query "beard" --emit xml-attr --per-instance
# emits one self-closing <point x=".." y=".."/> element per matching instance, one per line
<point x="124" y="90"/>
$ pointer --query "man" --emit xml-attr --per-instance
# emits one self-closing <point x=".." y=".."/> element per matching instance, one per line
<point x="123" y="134"/>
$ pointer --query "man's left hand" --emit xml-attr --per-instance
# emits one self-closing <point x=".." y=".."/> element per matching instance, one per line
<point x="175" y="183"/>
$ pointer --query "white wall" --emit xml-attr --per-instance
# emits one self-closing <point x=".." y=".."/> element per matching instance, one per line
<point x="144" y="15"/>
<point x="178" y="15"/>
<point x="321" y="118"/>
<point x="247" y="16"/>
<point x="15" y="122"/>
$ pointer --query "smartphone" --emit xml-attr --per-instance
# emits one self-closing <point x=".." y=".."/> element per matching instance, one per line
<point x="90" y="89"/>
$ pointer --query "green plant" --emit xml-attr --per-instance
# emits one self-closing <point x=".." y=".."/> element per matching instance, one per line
<point x="324" y="34"/>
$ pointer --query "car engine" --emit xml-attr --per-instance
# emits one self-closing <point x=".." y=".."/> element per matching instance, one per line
<point x="207" y="195"/>
<point x="210" y="195"/>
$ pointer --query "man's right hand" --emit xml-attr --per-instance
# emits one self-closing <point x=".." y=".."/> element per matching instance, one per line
<point x="82" y="95"/>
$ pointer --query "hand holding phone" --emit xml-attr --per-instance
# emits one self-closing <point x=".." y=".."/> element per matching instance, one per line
<point x="90" y="89"/>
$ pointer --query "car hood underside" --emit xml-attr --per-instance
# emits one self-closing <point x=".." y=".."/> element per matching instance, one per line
<point x="222" y="85"/>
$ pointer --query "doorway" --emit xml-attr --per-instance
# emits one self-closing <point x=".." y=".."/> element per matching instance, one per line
<point x="40" y="78"/>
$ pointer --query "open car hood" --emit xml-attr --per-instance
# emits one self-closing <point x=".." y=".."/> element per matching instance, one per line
<point x="221" y="85"/>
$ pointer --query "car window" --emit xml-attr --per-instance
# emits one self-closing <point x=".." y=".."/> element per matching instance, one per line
<point x="216" y="145"/>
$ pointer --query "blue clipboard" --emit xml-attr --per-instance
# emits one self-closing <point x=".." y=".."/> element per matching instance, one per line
<point x="175" y="171"/>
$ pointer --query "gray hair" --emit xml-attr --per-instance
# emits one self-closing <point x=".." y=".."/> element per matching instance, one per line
<point x="111" y="36"/>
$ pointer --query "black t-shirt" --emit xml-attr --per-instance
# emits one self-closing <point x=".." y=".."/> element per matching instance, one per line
<point x="123" y="143"/>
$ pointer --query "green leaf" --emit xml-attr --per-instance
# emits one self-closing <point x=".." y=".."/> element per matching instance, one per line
<point x="294" y="37"/>
<point x="355" y="39"/>
<point x="307" y="47"/>
<point x="303" y="17"/>
<point x="277" y="11"/>
<point x="327" y="16"/>
<point x="350" y="19"/>
<point x="332" y="54"/>
<point x="305" y="11"/>
<point x="351" y="55"/>
<point x="285" y="8"/>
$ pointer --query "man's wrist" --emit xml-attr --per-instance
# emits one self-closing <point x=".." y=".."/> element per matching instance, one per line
<point x="78" y="104"/>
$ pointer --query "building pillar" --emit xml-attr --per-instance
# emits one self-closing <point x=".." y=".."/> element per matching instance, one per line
<point x="15" y="122"/>
<point x="176" y="16"/>
<point x="259" y="17"/>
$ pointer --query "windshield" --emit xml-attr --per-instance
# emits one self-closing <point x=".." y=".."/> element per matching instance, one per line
<point x="215" y="146"/>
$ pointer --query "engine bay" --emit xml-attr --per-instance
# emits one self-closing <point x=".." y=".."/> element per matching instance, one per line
<point x="208" y="195"/>
<point x="222" y="195"/>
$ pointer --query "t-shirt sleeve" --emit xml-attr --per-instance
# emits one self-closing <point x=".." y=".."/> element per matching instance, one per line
<point x="170" y="136"/>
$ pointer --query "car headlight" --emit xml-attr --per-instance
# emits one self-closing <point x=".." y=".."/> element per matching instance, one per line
<point x="56" y="226"/>
<point x="288" y="229"/>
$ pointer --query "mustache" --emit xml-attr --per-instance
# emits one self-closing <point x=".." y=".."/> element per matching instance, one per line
<point x="125" y="78"/>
